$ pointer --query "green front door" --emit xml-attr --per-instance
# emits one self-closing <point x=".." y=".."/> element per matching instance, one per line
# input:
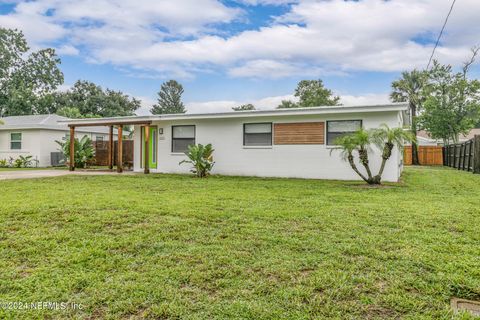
<point x="152" y="147"/>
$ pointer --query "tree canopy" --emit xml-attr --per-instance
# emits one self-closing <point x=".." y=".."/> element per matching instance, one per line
<point x="244" y="107"/>
<point x="452" y="106"/>
<point x="86" y="99"/>
<point x="311" y="93"/>
<point x="169" y="99"/>
<point x="25" y="78"/>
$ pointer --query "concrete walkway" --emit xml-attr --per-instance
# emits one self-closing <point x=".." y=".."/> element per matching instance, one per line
<point x="30" y="174"/>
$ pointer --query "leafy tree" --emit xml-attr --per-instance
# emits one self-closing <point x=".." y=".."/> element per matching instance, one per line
<point x="201" y="159"/>
<point x="90" y="100"/>
<point x="287" y="104"/>
<point x="25" y="78"/>
<point x="410" y="87"/>
<point x="70" y="112"/>
<point x="84" y="151"/>
<point x="453" y="103"/>
<point x="244" y="107"/>
<point x="384" y="138"/>
<point x="311" y="93"/>
<point x="169" y="99"/>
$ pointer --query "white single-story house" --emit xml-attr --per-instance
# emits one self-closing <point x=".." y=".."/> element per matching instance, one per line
<point x="295" y="143"/>
<point x="35" y="135"/>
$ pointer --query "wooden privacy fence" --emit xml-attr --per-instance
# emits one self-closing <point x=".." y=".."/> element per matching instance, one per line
<point x="463" y="156"/>
<point x="427" y="155"/>
<point x="101" y="153"/>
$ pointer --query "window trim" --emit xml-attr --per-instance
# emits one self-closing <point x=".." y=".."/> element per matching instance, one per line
<point x="194" y="136"/>
<point x="328" y="124"/>
<point x="271" y="134"/>
<point x="21" y="140"/>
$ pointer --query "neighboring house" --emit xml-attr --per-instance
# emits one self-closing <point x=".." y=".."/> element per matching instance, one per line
<point x="267" y="143"/>
<point x="35" y="135"/>
<point x="424" y="139"/>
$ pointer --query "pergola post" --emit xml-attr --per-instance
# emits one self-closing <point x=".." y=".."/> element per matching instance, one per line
<point x="110" y="148"/>
<point x="146" y="157"/>
<point x="120" y="149"/>
<point x="72" y="149"/>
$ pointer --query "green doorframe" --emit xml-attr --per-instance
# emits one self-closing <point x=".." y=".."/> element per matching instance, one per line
<point x="152" y="147"/>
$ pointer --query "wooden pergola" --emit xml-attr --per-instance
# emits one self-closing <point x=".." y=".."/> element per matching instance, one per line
<point x="111" y="124"/>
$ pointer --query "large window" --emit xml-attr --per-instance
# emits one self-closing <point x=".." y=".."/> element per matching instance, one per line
<point x="336" y="129"/>
<point x="182" y="137"/>
<point x="16" y="141"/>
<point x="257" y="134"/>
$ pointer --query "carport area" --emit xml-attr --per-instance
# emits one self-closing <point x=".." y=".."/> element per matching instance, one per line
<point x="119" y="123"/>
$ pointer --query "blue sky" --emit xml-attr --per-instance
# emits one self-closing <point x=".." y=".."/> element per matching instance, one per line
<point x="244" y="51"/>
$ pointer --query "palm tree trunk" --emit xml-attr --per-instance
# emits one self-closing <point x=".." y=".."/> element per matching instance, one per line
<point x="354" y="167"/>
<point x="387" y="153"/>
<point x="363" y="154"/>
<point x="413" y="109"/>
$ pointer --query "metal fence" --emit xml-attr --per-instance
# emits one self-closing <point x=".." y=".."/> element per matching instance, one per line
<point x="463" y="156"/>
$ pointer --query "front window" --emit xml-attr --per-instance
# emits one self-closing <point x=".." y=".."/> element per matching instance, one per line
<point x="182" y="137"/>
<point x="257" y="134"/>
<point x="336" y="129"/>
<point x="15" y="141"/>
<point x="99" y="138"/>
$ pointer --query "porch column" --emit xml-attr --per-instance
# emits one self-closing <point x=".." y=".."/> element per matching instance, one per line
<point x="72" y="149"/>
<point x="110" y="149"/>
<point x="146" y="158"/>
<point x="120" y="150"/>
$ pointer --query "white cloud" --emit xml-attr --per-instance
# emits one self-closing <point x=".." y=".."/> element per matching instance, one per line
<point x="365" y="99"/>
<point x="183" y="38"/>
<point x="67" y="50"/>
<point x="227" y="105"/>
<point x="269" y="103"/>
<point x="267" y="2"/>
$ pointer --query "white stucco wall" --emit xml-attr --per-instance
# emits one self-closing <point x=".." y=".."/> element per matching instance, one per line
<point x="299" y="161"/>
<point x="38" y="143"/>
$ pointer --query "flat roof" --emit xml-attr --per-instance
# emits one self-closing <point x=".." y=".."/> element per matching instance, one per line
<point x="239" y="114"/>
<point x="44" y="122"/>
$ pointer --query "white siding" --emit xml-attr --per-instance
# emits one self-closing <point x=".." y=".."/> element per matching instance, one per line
<point x="38" y="143"/>
<point x="299" y="161"/>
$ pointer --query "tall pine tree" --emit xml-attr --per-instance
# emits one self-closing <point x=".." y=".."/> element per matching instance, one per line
<point x="169" y="99"/>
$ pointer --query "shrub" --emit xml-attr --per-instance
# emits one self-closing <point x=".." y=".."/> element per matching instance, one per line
<point x="84" y="151"/>
<point x="3" y="163"/>
<point x="201" y="159"/>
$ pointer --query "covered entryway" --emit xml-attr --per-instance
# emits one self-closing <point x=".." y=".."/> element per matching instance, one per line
<point x="149" y="146"/>
<point x="149" y="141"/>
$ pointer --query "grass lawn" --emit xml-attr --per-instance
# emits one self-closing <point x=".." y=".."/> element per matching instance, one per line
<point x="171" y="246"/>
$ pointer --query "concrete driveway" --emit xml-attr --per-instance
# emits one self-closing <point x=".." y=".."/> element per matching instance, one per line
<point x="30" y="174"/>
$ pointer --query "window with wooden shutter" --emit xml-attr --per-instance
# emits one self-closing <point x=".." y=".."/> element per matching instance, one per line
<point x="299" y="133"/>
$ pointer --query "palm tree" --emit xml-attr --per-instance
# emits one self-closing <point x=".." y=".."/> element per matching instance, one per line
<point x="348" y="144"/>
<point x="385" y="138"/>
<point x="410" y="88"/>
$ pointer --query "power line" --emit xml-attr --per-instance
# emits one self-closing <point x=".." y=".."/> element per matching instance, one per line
<point x="440" y="34"/>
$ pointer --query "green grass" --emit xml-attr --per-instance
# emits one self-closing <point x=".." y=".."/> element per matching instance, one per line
<point x="2" y="169"/>
<point x="171" y="246"/>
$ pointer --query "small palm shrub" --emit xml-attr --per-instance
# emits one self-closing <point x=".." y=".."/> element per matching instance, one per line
<point x="201" y="159"/>
<point x="385" y="138"/>
<point x="3" y="163"/>
<point x="84" y="151"/>
<point x="25" y="162"/>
